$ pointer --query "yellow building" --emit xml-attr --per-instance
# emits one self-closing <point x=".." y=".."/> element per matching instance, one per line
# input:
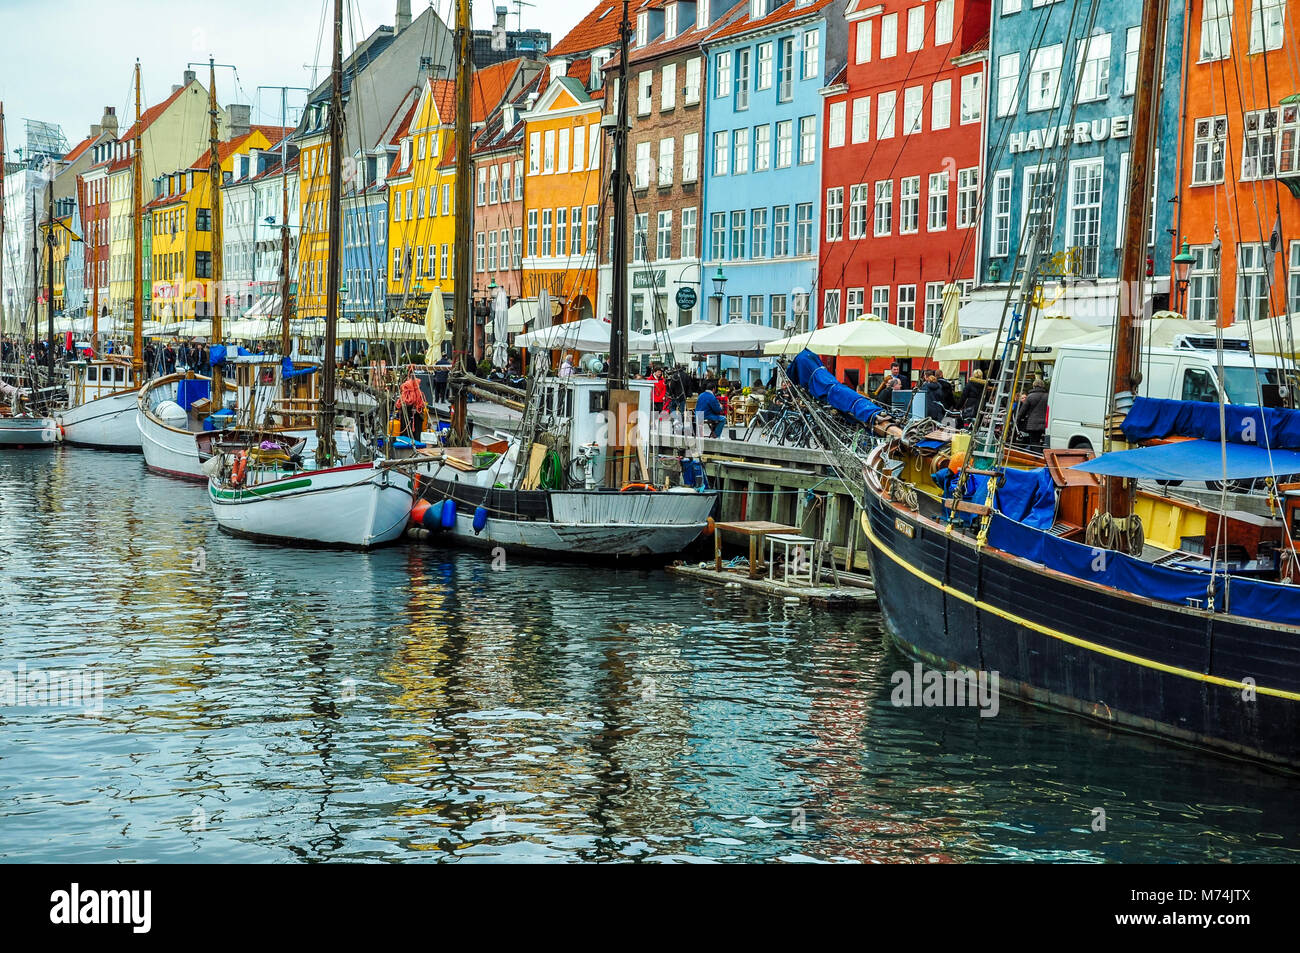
<point x="180" y="225"/>
<point x="171" y="134"/>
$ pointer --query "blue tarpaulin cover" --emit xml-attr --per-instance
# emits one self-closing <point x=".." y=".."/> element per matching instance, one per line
<point x="188" y="391"/>
<point x="808" y="372"/>
<point x="1028" y="496"/>
<point x="1195" y="460"/>
<point x="219" y="353"/>
<point x="1153" y="418"/>
<point x="287" y="371"/>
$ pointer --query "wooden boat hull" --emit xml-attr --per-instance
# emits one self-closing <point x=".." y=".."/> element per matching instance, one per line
<point x="106" y="423"/>
<point x="28" y="433"/>
<point x="1064" y="643"/>
<point x="574" y="524"/>
<point x="354" y="507"/>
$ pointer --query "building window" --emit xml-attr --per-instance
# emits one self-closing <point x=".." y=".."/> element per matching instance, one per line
<point x="762" y="148"/>
<point x="943" y="22"/>
<point x="547" y="234"/>
<point x="764" y="78"/>
<point x="758" y="233"/>
<point x="1266" y="17"/>
<point x="907" y="306"/>
<point x="880" y="302"/>
<point x="785" y="71"/>
<point x="1010" y="6"/>
<point x="735" y="308"/>
<point x="667" y="88"/>
<point x="517" y="246"/>
<point x="548" y="151"/>
<point x="1045" y="78"/>
<point x="885" y="103"/>
<point x="909" y="204"/>
<point x="692" y="94"/>
<point x="640" y="236"/>
<point x="831" y="307"/>
<point x="884" y="207"/>
<point x="861" y="119"/>
<point x="862" y="52"/>
<point x="666" y="162"/>
<point x="1000" y="239"/>
<point x="203" y="263"/>
<point x="933" y="307"/>
<point x="1252" y="282"/>
<point x="1040" y="199"/>
<point x="691" y="157"/>
<point x="721" y="152"/>
<point x="664" y="236"/>
<point x="1008" y="81"/>
<point x="1085" y="214"/>
<point x="915" y="28"/>
<point x="1208" y="150"/>
<point x="1289" y="141"/>
<point x="718" y="236"/>
<point x="858" y="211"/>
<point x="592" y="225"/>
<point x="756" y="315"/>
<point x="778" y="304"/>
<point x="835" y="124"/>
<point x="856" y="304"/>
<point x="781" y="231"/>
<point x="641" y="175"/>
<point x="811" y="53"/>
<point x="941" y="104"/>
<point x="807" y="140"/>
<point x="1094" y="61"/>
<point x="784" y="143"/>
<point x="202" y="219"/>
<point x="888" y="35"/>
<point x="1259" y="145"/>
<point x="937" y="217"/>
<point x="1131" y="60"/>
<point x="1203" y="283"/>
<point x="480" y="252"/>
<point x="689" y="227"/>
<point x="834" y="214"/>
<point x="803" y="235"/>
<point x="913" y="99"/>
<point x="561" y="231"/>
<point x="740" y="151"/>
<point x="742" y="80"/>
<point x="643" y="93"/>
<point x="738" y="231"/>
<point x="532" y="233"/>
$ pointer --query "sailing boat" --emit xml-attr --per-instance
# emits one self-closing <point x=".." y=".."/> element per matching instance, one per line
<point x="102" y="393"/>
<point x="564" y="485"/>
<point x="984" y="562"/>
<point x="257" y="492"/>
<point x="19" y="428"/>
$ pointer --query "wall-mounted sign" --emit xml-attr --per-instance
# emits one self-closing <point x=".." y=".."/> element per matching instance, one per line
<point x="1098" y="130"/>
<point x="657" y="278"/>
<point x="686" y="298"/>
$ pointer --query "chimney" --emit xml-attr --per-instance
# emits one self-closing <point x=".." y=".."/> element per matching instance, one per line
<point x="403" y="15"/>
<point x="239" y="117"/>
<point x="560" y="67"/>
<point x="96" y="130"/>
<point x="109" y="121"/>
<point x="176" y="88"/>
<point x="188" y="77"/>
<point x="508" y="117"/>
<point x="502" y="13"/>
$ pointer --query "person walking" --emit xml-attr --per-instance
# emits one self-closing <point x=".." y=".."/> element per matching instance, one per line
<point x="972" y="394"/>
<point x="1032" y="416"/>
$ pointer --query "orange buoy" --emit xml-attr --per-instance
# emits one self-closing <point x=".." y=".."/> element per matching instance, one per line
<point x="956" y="463"/>
<point x="708" y="527"/>
<point x="418" y="511"/>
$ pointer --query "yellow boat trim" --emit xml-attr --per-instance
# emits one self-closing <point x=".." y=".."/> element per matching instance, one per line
<point x="1062" y="636"/>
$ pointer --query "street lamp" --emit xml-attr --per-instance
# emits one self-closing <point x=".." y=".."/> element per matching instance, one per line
<point x="719" y="289"/>
<point x="1183" y="262"/>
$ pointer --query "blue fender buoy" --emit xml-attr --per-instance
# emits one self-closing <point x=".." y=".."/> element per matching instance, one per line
<point x="432" y="517"/>
<point x="480" y="519"/>
<point x="448" y="514"/>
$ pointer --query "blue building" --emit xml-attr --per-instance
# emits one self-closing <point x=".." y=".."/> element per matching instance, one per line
<point x="365" y="250"/>
<point x="1058" y="139"/>
<point x="762" y="159"/>
<point x="74" y="279"/>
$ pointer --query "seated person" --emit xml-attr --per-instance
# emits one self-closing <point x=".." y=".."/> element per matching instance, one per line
<point x="708" y="410"/>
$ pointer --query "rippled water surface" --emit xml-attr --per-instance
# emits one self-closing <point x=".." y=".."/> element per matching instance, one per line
<point x="262" y="704"/>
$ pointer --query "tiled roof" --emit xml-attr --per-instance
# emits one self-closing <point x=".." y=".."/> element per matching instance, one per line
<point x="786" y="12"/>
<point x="493" y="135"/>
<point x="79" y="149"/>
<point x="598" y="28"/>
<point x="404" y="124"/>
<point x="689" y="37"/>
<point x="273" y="134"/>
<point x="153" y="112"/>
<point x="979" y="46"/>
<point x="490" y="85"/>
<point x="224" y="151"/>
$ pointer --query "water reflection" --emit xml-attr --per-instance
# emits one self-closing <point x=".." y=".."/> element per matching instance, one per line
<point x="266" y="704"/>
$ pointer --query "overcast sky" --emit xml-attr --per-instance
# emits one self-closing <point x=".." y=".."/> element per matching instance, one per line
<point x="63" y="61"/>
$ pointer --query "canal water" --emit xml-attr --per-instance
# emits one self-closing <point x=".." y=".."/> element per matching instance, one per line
<point x="261" y="704"/>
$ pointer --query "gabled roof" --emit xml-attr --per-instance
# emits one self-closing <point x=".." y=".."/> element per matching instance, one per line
<point x="494" y="134"/>
<point x="224" y="150"/>
<point x="489" y="87"/>
<point x="80" y="149"/>
<point x="785" y="13"/>
<point x="689" y="36"/>
<point x="148" y="117"/>
<point x="598" y="28"/>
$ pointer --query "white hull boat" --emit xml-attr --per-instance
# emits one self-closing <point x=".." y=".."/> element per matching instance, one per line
<point x="358" y="506"/>
<point x="24" y="433"/>
<point x="106" y="423"/>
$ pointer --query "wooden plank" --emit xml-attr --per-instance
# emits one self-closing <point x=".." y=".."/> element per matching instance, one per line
<point x="533" y="475"/>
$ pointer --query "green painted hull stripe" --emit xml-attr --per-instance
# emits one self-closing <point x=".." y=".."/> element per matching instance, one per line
<point x="260" y="490"/>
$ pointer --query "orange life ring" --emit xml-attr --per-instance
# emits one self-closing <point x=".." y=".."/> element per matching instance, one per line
<point x="638" y="486"/>
<point x="239" y="467"/>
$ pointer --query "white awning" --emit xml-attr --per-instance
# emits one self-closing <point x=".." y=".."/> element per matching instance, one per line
<point x="520" y="314"/>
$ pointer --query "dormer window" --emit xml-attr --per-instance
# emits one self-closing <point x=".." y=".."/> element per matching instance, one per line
<point x="670" y="22"/>
<point x="642" y="28"/>
<point x="406" y="152"/>
<point x="758" y="9"/>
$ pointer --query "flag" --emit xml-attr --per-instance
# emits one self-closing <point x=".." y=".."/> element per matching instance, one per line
<point x="1275" y="240"/>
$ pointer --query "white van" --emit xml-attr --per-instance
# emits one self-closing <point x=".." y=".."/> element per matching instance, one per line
<point x="1081" y="381"/>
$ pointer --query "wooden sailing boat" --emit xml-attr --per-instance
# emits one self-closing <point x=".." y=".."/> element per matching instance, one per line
<point x="19" y="429"/>
<point x="1045" y="576"/>
<point x="103" y="392"/>
<point x="564" y="485"/>
<point x="257" y="492"/>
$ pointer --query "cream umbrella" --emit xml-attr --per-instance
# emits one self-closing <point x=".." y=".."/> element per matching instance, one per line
<point x="400" y="331"/>
<point x="950" y="328"/>
<point x="735" y="338"/>
<point x="1162" y="329"/>
<point x="1278" y="336"/>
<point x="435" y="327"/>
<point x="867" y="337"/>
<point x="1047" y="331"/>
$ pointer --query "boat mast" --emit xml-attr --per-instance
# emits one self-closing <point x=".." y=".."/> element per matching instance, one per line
<point x="1118" y="493"/>
<point x="36" y="283"/>
<point x="214" y="186"/>
<point x="49" y="270"/>
<point x="461" y="275"/>
<point x="618" y="186"/>
<point x="4" y="328"/>
<point x="137" y="243"/>
<point x="284" y="230"/>
<point x="325" y="433"/>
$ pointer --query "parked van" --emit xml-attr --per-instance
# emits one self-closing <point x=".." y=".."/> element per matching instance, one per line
<point x="1081" y="382"/>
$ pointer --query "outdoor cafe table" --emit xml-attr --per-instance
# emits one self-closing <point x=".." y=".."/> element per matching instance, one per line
<point x="756" y="530"/>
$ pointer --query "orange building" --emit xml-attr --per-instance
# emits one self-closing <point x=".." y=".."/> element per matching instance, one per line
<point x="1239" y="162"/>
<point x="562" y="192"/>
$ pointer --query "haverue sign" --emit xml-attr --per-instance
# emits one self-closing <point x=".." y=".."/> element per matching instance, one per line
<point x="1098" y="130"/>
<point x="649" y="278"/>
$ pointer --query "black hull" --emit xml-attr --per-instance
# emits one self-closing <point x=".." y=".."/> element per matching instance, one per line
<point x="1056" y="641"/>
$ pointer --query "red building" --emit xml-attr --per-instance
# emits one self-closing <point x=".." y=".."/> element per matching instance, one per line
<point x="901" y="168"/>
<point x="92" y="194"/>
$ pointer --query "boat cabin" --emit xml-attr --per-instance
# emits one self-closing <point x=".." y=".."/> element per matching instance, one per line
<point x="91" y="380"/>
<point x="577" y="409"/>
<point x="266" y="397"/>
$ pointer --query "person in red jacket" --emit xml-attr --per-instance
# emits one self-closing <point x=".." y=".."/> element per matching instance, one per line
<point x="660" y="393"/>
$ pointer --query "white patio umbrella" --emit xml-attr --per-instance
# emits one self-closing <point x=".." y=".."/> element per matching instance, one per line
<point x="737" y="338"/>
<point x="397" y="330"/>
<point x="589" y="334"/>
<point x="1277" y="336"/>
<point x="1046" y="331"/>
<point x="543" y="319"/>
<point x="950" y="326"/>
<point x="500" y="329"/>
<point x="435" y="327"/>
<point x="868" y="337"/>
